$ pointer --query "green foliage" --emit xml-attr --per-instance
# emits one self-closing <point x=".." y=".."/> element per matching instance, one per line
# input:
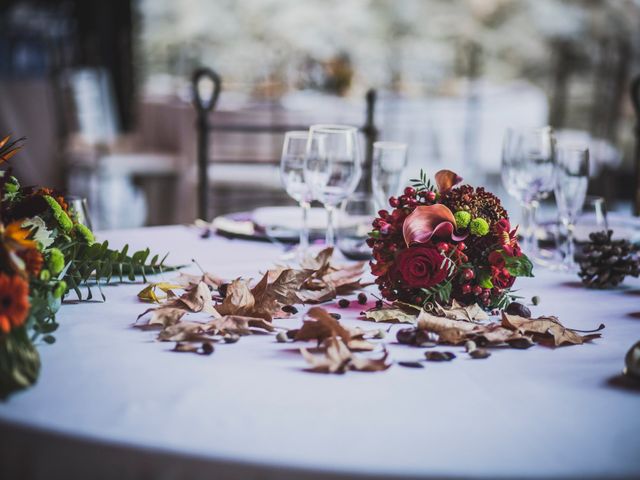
<point x="64" y="222"/>
<point x="422" y="183"/>
<point x="97" y="265"/>
<point x="440" y="293"/>
<point x="83" y="233"/>
<point x="518" y="266"/>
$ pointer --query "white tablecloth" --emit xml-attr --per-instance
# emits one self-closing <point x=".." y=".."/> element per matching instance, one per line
<point x="113" y="403"/>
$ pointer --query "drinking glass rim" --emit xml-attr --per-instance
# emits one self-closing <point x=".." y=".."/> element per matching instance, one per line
<point x="331" y="128"/>
<point x="297" y="134"/>
<point x="390" y="145"/>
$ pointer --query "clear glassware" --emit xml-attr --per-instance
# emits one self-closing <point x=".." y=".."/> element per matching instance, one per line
<point x="389" y="162"/>
<point x="332" y="168"/>
<point x="528" y="175"/>
<point x="354" y="224"/>
<point x="572" y="179"/>
<point x="79" y="210"/>
<point x="292" y="176"/>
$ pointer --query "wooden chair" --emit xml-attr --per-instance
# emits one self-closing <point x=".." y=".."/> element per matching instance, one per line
<point x="206" y="87"/>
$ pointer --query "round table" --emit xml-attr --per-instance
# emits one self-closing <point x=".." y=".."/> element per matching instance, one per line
<point x="112" y="402"/>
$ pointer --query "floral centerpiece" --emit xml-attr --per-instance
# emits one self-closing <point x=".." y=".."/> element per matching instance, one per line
<point x="446" y="242"/>
<point x="45" y="252"/>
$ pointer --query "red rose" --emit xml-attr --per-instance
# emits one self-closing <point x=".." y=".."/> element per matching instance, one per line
<point x="420" y="267"/>
<point x="501" y="277"/>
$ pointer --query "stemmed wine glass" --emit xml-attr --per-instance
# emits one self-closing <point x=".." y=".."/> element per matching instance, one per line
<point x="572" y="178"/>
<point x="528" y="174"/>
<point x="332" y="168"/>
<point x="292" y="176"/>
<point x="389" y="162"/>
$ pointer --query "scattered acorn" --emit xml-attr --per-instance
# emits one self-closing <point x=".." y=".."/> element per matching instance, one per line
<point x="289" y="309"/>
<point x="207" y="348"/>
<point x="439" y="356"/>
<point x="231" y="338"/>
<point x="479" y="353"/>
<point x="406" y="336"/>
<point x="337" y="316"/>
<point x="516" y="308"/>
<point x="632" y="362"/>
<point x="282" y="337"/>
<point x="362" y="298"/>
<point x="343" y="303"/>
<point x="535" y="300"/>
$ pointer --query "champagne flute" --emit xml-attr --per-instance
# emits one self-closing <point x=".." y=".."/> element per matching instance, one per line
<point x="572" y="179"/>
<point x="528" y="174"/>
<point x="332" y="168"/>
<point x="292" y="178"/>
<point x="389" y="162"/>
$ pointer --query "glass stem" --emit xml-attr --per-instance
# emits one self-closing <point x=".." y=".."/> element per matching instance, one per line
<point x="330" y="237"/>
<point x="525" y="228"/>
<point x="569" y="253"/>
<point x="304" y="229"/>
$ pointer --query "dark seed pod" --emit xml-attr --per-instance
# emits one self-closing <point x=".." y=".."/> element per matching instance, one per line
<point x="605" y="262"/>
<point x="439" y="356"/>
<point x="379" y="304"/>
<point x="343" y="303"/>
<point x="231" y="338"/>
<point x="520" y="343"/>
<point x="519" y="309"/>
<point x="291" y="334"/>
<point x="479" y="353"/>
<point x="289" y="309"/>
<point x="207" y="348"/>
<point x="406" y="336"/>
<point x="362" y="298"/>
<point x="411" y="364"/>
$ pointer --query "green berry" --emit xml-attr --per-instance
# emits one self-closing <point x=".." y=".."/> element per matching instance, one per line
<point x="462" y="219"/>
<point x="45" y="275"/>
<point x="479" y="227"/>
<point x="56" y="261"/>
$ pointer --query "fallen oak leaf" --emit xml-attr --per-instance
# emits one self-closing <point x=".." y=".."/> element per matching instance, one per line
<point x="322" y="327"/>
<point x="548" y="330"/>
<point x="197" y="299"/>
<point x="239" y="325"/>
<point x="338" y="359"/>
<point x="238" y="301"/>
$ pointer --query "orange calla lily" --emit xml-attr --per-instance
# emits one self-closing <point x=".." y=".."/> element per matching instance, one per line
<point x="446" y="180"/>
<point x="430" y="222"/>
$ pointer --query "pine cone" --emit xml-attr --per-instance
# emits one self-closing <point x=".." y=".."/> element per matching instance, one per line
<point x="604" y="262"/>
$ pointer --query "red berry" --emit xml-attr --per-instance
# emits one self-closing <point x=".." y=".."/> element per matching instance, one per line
<point x="412" y="202"/>
<point x="394" y="202"/>
<point x="466" y="288"/>
<point x="443" y="247"/>
<point x="468" y="274"/>
<point x="477" y="290"/>
<point x="386" y="229"/>
<point x="461" y="246"/>
<point x="409" y="191"/>
<point x="383" y="214"/>
<point x="370" y="242"/>
<point x="403" y="199"/>
<point x="430" y="196"/>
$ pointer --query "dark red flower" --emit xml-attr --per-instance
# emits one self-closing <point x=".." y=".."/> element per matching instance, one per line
<point x="420" y="267"/>
<point x="507" y="237"/>
<point x="501" y="277"/>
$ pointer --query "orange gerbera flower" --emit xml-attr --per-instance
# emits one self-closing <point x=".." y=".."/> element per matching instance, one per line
<point x="33" y="261"/>
<point x="18" y="236"/>
<point x="14" y="302"/>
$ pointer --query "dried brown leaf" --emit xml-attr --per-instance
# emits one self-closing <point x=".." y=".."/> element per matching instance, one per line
<point x="188" y="280"/>
<point x="457" y="311"/>
<point x="183" y="332"/>
<point x="239" y="325"/>
<point x="317" y="296"/>
<point x="319" y="263"/>
<point x="548" y="330"/>
<point x="338" y="359"/>
<point x="239" y="299"/>
<point x="322" y="326"/>
<point x="392" y="315"/>
<point x="163" y="316"/>
<point x="197" y="299"/>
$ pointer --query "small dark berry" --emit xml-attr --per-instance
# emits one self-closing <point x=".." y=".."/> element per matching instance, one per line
<point x="468" y="274"/>
<point x="362" y="298"/>
<point x="409" y="191"/>
<point x="207" y="348"/>
<point x="379" y="303"/>
<point x="289" y="309"/>
<point x="337" y="316"/>
<point x="394" y="202"/>
<point x="466" y="289"/>
<point x="477" y="290"/>
<point x="431" y="196"/>
<point x="383" y="213"/>
<point x="343" y="303"/>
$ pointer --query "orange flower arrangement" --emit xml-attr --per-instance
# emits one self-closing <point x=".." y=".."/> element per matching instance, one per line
<point x="14" y="302"/>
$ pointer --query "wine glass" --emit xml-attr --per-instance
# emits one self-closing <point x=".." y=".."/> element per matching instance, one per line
<point x="332" y="168"/>
<point x="572" y="178"/>
<point x="389" y="162"/>
<point x="528" y="174"/>
<point x="292" y="176"/>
